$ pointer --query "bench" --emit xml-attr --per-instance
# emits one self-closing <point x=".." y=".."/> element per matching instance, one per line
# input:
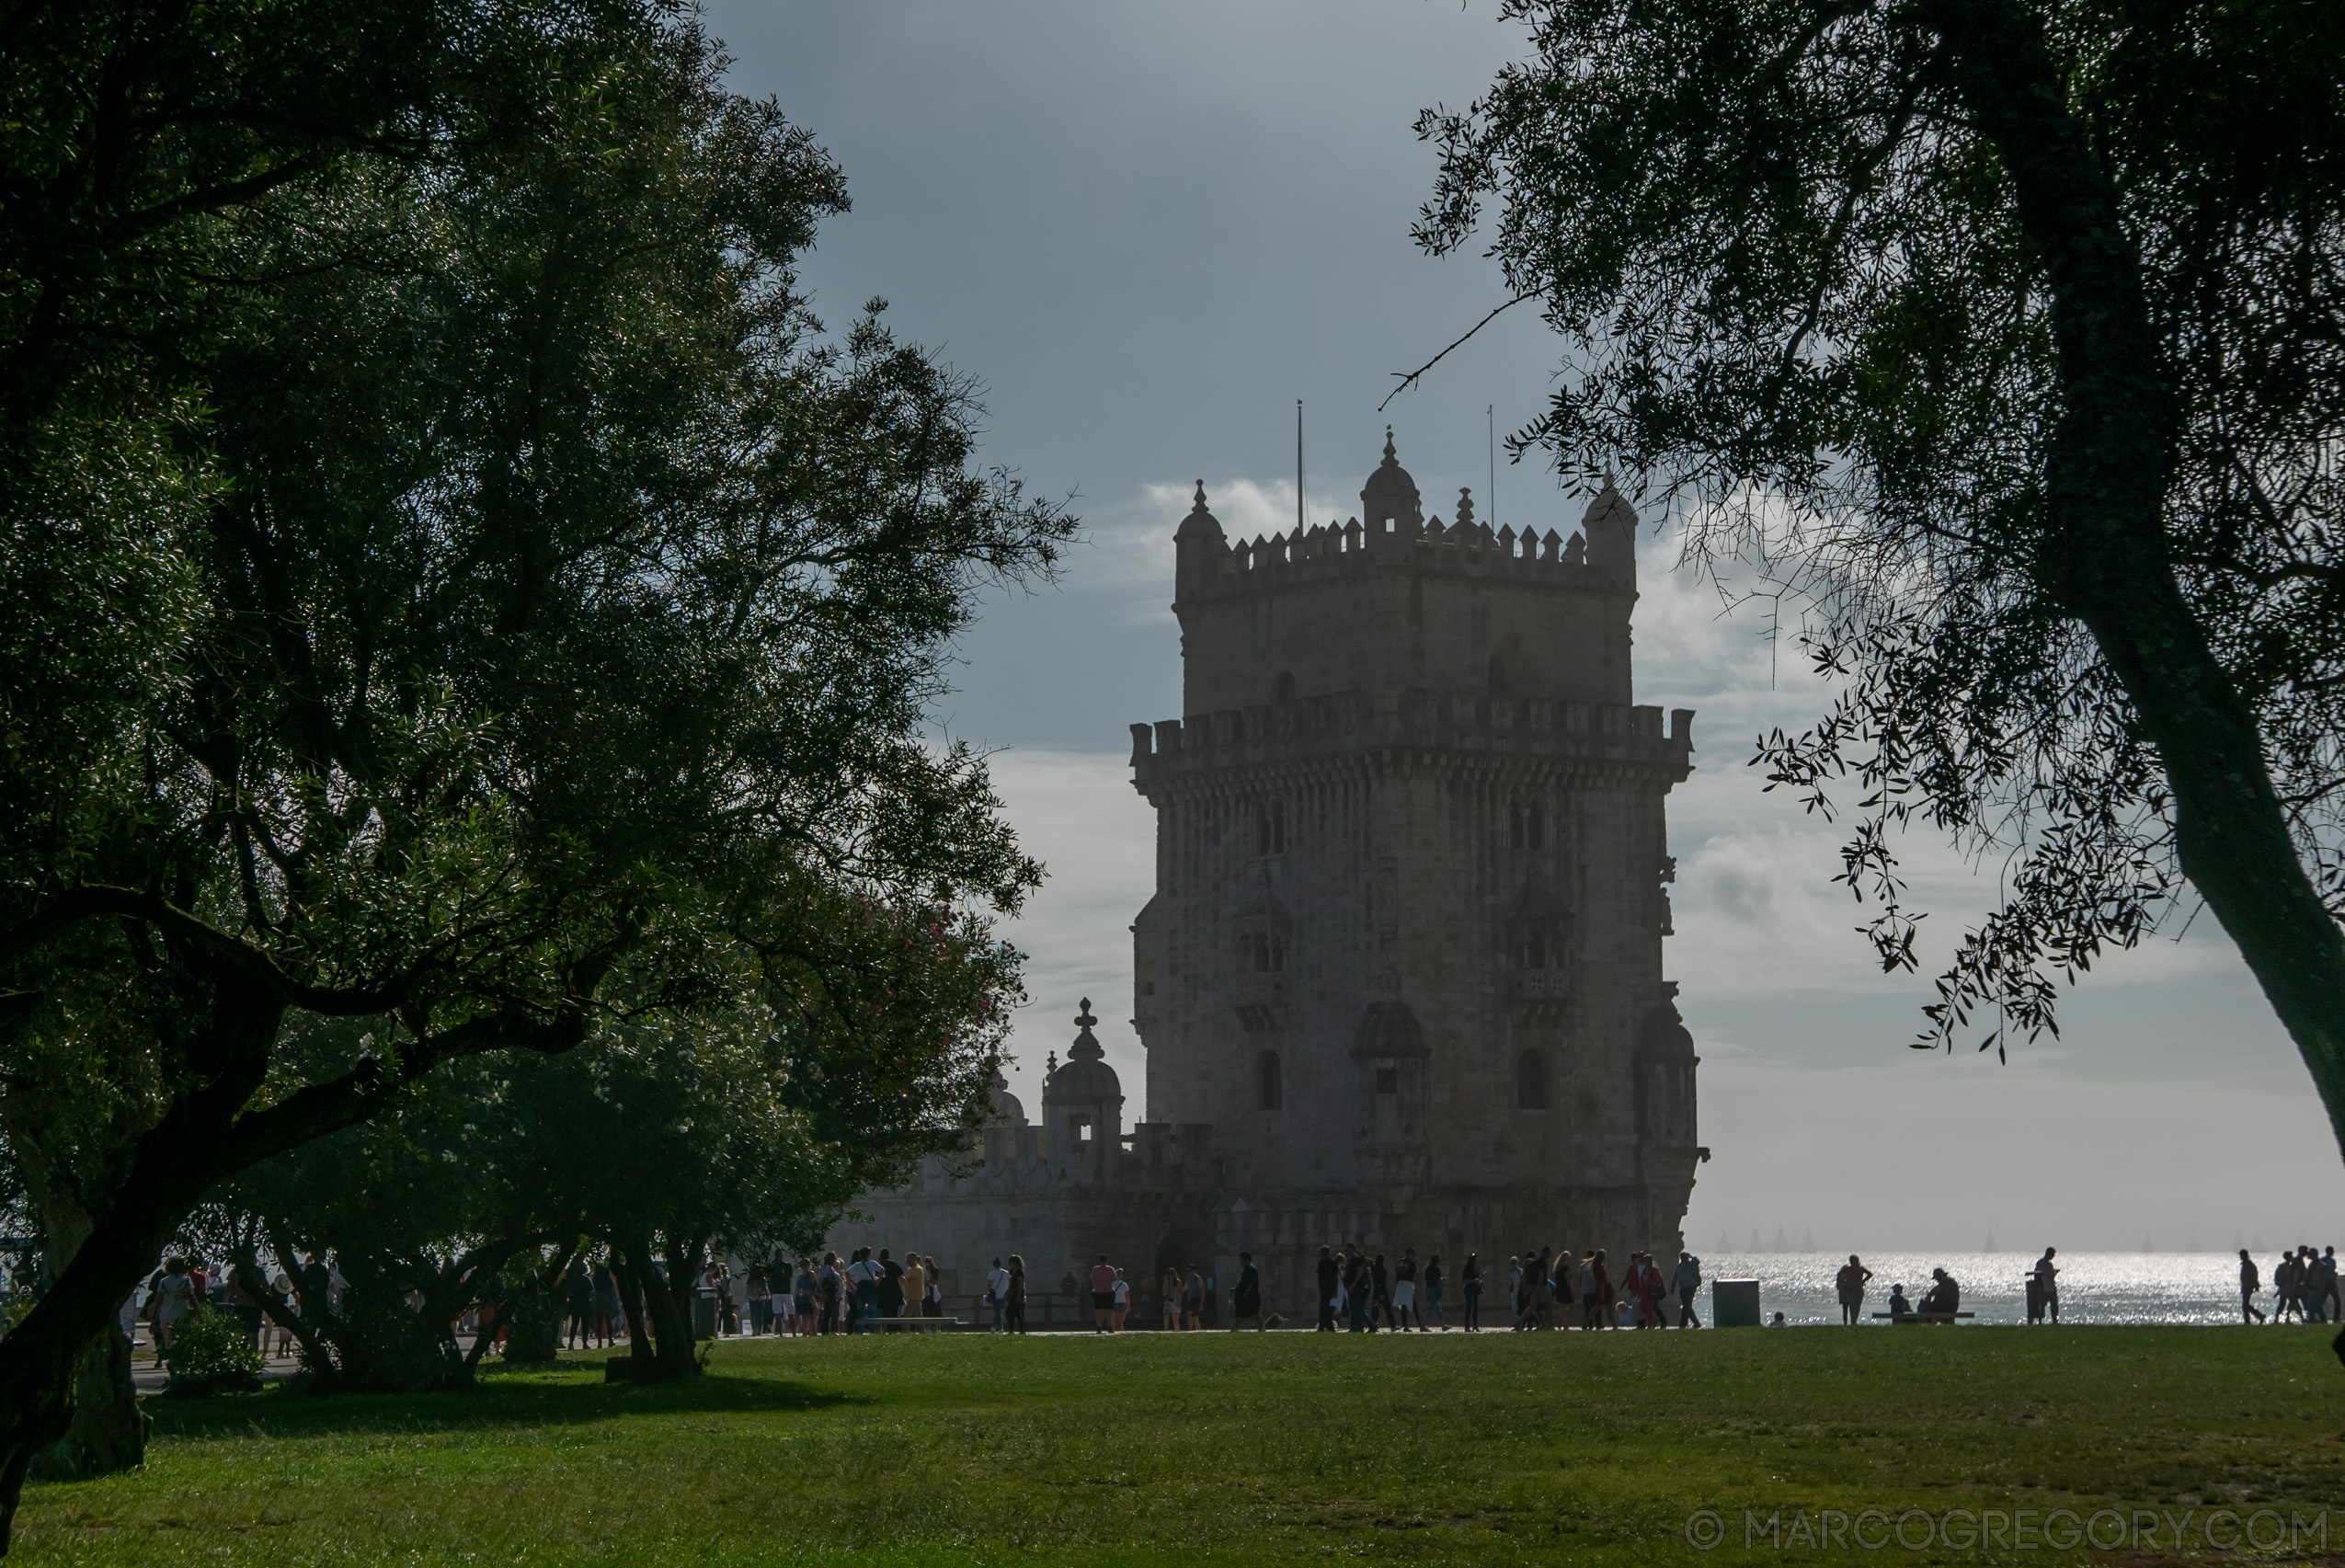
<point x="1924" y="1317"/>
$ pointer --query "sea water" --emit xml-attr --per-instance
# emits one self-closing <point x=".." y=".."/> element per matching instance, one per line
<point x="2095" y="1288"/>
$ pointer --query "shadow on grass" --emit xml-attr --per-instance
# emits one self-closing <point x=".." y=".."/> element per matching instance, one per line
<point x="552" y="1398"/>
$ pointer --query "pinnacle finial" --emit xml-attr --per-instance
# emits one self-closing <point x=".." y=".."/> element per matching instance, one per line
<point x="1200" y="497"/>
<point x="1086" y="1047"/>
<point x="1464" y="506"/>
<point x="1390" y="456"/>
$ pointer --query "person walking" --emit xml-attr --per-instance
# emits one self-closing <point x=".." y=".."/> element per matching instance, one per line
<point x="1469" y="1286"/>
<point x="997" y="1294"/>
<point x="1404" y="1291"/>
<point x="1246" y="1301"/>
<point x="1327" y="1288"/>
<point x="1193" y="1299"/>
<point x="830" y="1285"/>
<point x="1013" y="1295"/>
<point x="863" y="1276"/>
<point x="1122" y="1292"/>
<point x="578" y="1302"/>
<point x="1688" y="1280"/>
<point x="2251" y="1282"/>
<point x="1850" y="1283"/>
<point x="1103" y="1295"/>
<point x="2046" y="1279"/>
<point x="1601" y="1292"/>
<point x="1359" y="1289"/>
<point x="1584" y="1281"/>
<point x="1433" y="1283"/>
<point x="1168" y="1299"/>
<point x="1381" y="1281"/>
<point x="171" y="1304"/>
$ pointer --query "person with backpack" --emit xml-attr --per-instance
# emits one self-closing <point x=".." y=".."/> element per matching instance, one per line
<point x="1246" y="1301"/>
<point x="1688" y="1281"/>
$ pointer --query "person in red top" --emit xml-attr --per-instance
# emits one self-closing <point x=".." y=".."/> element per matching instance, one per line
<point x="1102" y="1294"/>
<point x="1600" y="1298"/>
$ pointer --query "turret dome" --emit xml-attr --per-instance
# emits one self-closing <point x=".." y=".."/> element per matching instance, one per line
<point x="1084" y="1079"/>
<point x="1389" y="492"/>
<point x="1200" y="524"/>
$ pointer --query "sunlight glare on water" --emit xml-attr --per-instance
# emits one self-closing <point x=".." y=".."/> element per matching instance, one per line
<point x="2095" y="1288"/>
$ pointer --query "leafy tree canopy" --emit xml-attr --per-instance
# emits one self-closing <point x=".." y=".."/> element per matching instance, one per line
<point x="475" y="595"/>
<point x="2007" y="338"/>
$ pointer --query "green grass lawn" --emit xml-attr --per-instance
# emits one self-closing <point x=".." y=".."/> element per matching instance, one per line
<point x="1494" y="1449"/>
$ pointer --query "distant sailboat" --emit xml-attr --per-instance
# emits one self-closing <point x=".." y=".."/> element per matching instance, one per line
<point x="1781" y="1244"/>
<point x="1990" y="1242"/>
<point x="1754" y="1240"/>
<point x="1726" y="1242"/>
<point x="1809" y="1246"/>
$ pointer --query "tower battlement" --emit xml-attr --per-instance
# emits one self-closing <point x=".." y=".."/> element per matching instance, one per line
<point x="1591" y="734"/>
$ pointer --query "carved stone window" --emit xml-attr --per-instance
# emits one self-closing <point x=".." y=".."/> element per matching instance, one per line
<point x="1526" y="824"/>
<point x="1530" y="1081"/>
<point x="1270" y="1087"/>
<point x="1388" y="1081"/>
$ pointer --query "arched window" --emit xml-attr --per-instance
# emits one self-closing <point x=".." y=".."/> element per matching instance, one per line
<point x="1262" y="955"/>
<point x="1282" y="687"/>
<point x="1534" y="949"/>
<point x="1270" y="1085"/>
<point x="1277" y="958"/>
<point x="1530" y="1081"/>
<point x="1277" y="827"/>
<point x="1516" y="827"/>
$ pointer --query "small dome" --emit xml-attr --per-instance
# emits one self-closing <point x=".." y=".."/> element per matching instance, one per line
<point x="1005" y="1109"/>
<point x="1387" y="1030"/>
<point x="1666" y="1038"/>
<point x="1084" y="1079"/>
<point x="1389" y="492"/>
<point x="1200" y="524"/>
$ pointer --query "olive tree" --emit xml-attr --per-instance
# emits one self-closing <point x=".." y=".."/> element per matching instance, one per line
<point x="2007" y="337"/>
<point x="534" y="587"/>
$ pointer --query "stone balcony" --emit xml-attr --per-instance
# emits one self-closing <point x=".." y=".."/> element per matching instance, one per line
<point x="1601" y="735"/>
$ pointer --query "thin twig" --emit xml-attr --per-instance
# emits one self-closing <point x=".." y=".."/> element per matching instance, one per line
<point x="1409" y="379"/>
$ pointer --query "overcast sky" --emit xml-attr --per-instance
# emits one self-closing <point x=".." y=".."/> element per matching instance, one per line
<point x="1150" y="229"/>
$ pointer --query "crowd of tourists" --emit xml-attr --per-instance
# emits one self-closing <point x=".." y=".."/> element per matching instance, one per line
<point x="1550" y="1288"/>
<point x="2304" y="1282"/>
<point x="873" y="1291"/>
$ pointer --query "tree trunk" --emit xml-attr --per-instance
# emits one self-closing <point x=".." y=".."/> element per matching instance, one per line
<point x="170" y="1166"/>
<point x="2108" y="561"/>
<point x="631" y="1306"/>
<point x="671" y="1360"/>
<point x="108" y="1430"/>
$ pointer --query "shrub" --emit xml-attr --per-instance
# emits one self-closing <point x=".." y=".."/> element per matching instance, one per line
<point x="210" y="1355"/>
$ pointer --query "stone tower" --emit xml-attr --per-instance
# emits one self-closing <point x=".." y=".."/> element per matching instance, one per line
<point x="1404" y="955"/>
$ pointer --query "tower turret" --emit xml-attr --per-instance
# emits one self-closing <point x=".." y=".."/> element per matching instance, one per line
<point x="1389" y="503"/>
<point x="1610" y="525"/>
<point x="1082" y="1101"/>
<point x="1198" y="549"/>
